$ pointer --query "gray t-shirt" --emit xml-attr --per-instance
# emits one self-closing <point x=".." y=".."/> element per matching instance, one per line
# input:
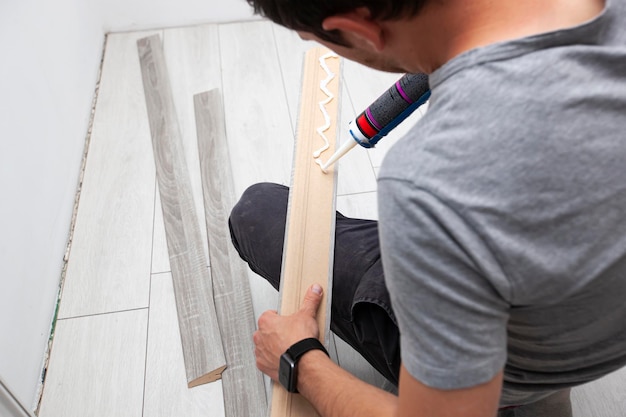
<point x="503" y="214"/>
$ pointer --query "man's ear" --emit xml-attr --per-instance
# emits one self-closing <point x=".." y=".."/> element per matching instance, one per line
<point x="357" y="23"/>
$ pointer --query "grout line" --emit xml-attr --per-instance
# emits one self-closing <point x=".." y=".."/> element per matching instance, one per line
<point x="189" y="26"/>
<point x="355" y="194"/>
<point x="154" y="204"/>
<point x="282" y="78"/>
<point x="104" y="313"/>
<point x="145" y="367"/>
<point x="160" y="273"/>
<point x="219" y="53"/>
<point x="156" y="195"/>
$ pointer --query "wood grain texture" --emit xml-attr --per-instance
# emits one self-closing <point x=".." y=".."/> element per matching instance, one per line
<point x="310" y="231"/>
<point x="97" y="366"/>
<point x="193" y="62"/>
<point x="166" y="393"/>
<point x="257" y="118"/>
<point x="200" y="336"/>
<point x="356" y="180"/>
<point x="109" y="263"/>
<point x="358" y="206"/>
<point x="605" y="397"/>
<point x="244" y="392"/>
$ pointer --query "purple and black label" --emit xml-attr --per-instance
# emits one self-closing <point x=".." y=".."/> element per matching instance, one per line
<point x="393" y="106"/>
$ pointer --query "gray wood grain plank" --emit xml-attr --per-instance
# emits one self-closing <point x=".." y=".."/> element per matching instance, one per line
<point x="192" y="59"/>
<point x="166" y="393"/>
<point x="244" y="392"/>
<point x="109" y="264"/>
<point x="160" y="258"/>
<point x="97" y="366"/>
<point x="201" y="341"/>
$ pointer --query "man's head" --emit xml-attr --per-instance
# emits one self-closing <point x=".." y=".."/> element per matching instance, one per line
<point x="309" y="15"/>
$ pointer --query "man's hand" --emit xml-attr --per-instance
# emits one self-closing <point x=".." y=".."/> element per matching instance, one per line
<point x="277" y="333"/>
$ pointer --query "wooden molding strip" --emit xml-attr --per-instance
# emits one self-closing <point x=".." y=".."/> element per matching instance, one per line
<point x="199" y="330"/>
<point x="242" y="382"/>
<point x="310" y="234"/>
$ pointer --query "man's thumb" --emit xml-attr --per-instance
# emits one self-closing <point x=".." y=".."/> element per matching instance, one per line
<point x="312" y="300"/>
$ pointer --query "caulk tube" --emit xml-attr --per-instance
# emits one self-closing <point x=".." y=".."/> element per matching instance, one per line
<point x="390" y="109"/>
<point x="385" y="113"/>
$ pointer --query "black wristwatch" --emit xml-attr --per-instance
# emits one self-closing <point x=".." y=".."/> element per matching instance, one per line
<point x="288" y="369"/>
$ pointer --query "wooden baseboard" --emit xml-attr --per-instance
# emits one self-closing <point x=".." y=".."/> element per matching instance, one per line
<point x="310" y="233"/>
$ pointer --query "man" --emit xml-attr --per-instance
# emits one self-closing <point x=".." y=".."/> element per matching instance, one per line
<point x="501" y="213"/>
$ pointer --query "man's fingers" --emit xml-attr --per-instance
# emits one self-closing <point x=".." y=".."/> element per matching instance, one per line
<point x="312" y="300"/>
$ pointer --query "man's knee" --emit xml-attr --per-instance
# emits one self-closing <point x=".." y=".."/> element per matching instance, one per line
<point x="258" y="202"/>
<point x="257" y="228"/>
<point x="257" y="212"/>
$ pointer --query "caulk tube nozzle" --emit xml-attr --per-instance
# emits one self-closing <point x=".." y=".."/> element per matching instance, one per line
<point x="343" y="149"/>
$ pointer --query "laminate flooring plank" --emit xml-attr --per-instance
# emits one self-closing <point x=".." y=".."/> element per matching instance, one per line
<point x="291" y="50"/>
<point x="257" y="116"/>
<point x="244" y="391"/>
<point x="160" y="257"/>
<point x="192" y="59"/>
<point x="358" y="206"/>
<point x="356" y="174"/>
<point x="97" y="366"/>
<point x="258" y="126"/>
<point x="605" y="397"/>
<point x="201" y="341"/>
<point x="354" y="363"/>
<point x="310" y="231"/>
<point x="264" y="297"/>
<point x="109" y="263"/>
<point x="364" y="86"/>
<point x="166" y="393"/>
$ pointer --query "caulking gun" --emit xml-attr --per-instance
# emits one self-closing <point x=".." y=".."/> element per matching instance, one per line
<point x="385" y="113"/>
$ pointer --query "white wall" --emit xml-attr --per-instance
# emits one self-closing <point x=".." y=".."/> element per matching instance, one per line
<point x="124" y="15"/>
<point x="49" y="61"/>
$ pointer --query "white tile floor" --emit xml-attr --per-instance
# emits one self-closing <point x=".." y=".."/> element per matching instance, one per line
<point x="116" y="350"/>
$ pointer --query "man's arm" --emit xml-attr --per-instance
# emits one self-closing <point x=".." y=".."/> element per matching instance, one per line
<point x="336" y="393"/>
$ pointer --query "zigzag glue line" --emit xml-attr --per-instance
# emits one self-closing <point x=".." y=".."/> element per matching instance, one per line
<point x="322" y="105"/>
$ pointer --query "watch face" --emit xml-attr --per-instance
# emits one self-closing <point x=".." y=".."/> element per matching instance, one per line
<point x="286" y="372"/>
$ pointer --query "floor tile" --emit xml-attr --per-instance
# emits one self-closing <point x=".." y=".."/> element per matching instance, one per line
<point x="97" y="366"/>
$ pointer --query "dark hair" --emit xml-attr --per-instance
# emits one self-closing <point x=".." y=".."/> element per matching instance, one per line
<point x="308" y="15"/>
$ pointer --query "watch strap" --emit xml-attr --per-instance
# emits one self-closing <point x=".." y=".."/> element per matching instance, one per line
<point x="300" y="348"/>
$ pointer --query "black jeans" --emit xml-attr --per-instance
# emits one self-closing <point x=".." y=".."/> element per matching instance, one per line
<point x="361" y="311"/>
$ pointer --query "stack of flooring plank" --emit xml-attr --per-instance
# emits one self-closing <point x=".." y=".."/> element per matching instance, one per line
<point x="214" y="310"/>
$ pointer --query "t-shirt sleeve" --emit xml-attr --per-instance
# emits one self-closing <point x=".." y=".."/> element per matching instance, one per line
<point x="447" y="290"/>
